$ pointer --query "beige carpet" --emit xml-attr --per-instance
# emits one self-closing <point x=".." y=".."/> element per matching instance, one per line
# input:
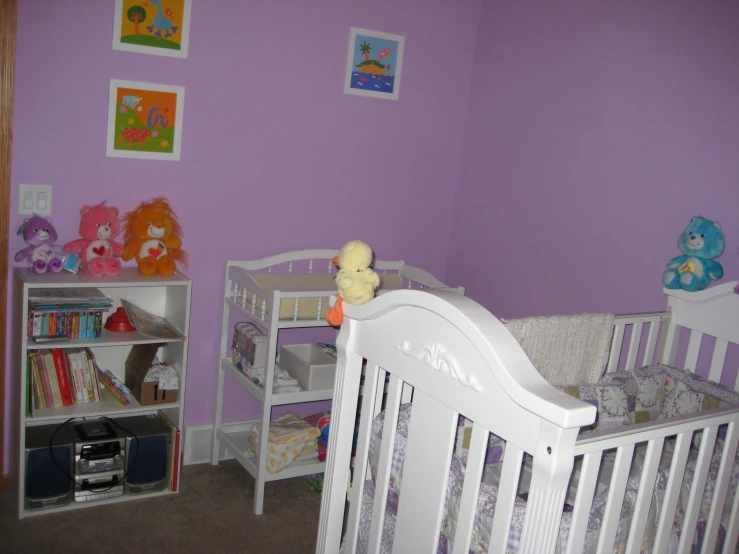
<point x="212" y="514"/>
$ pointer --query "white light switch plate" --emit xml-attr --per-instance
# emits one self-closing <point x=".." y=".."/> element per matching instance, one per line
<point x="34" y="199"/>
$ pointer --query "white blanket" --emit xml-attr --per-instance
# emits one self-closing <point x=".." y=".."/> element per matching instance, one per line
<point x="565" y="349"/>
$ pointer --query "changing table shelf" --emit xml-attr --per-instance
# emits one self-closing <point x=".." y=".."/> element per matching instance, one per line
<point x="287" y="291"/>
<point x="237" y="445"/>
<point x="279" y="399"/>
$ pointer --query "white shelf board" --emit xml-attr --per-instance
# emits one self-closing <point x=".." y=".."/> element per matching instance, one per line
<point x="128" y="277"/>
<point x="106" y="407"/>
<point x="237" y="443"/>
<point x="91" y="503"/>
<point x="277" y="399"/>
<point x="107" y="338"/>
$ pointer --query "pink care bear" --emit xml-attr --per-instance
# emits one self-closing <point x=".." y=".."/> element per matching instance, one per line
<point x="98" y="250"/>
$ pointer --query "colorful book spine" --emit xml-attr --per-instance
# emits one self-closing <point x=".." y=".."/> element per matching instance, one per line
<point x="61" y="373"/>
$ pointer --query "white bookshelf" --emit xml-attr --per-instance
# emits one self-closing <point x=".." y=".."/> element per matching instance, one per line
<point x="167" y="297"/>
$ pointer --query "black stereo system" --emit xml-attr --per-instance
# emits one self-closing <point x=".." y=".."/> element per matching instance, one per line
<point x="95" y="459"/>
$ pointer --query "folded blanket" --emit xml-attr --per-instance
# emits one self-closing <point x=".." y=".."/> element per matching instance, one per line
<point x="565" y="349"/>
<point x="288" y="436"/>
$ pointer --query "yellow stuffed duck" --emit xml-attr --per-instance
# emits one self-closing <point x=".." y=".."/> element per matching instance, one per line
<point x="356" y="281"/>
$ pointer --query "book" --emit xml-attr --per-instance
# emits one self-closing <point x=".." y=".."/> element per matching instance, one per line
<point x="173" y="446"/>
<point x="62" y="373"/>
<point x="148" y="324"/>
<point x="68" y="298"/>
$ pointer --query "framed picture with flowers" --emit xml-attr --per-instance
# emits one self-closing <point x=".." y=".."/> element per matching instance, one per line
<point x="144" y="120"/>
<point x="159" y="27"/>
<point x="373" y="64"/>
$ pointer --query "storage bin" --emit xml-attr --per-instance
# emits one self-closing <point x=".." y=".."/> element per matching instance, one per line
<point x="310" y="365"/>
<point x="251" y="344"/>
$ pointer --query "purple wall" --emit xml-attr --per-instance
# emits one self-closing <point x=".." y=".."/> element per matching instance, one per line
<point x="595" y="131"/>
<point x="274" y="156"/>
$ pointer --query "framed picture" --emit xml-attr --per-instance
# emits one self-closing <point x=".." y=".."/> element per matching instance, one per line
<point x="160" y="27"/>
<point x="144" y="120"/>
<point x="373" y="64"/>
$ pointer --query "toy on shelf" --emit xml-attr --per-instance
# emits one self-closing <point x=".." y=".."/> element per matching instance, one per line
<point x="152" y="236"/>
<point x="356" y="281"/>
<point x="701" y="242"/>
<point x="97" y="248"/>
<point x="41" y="254"/>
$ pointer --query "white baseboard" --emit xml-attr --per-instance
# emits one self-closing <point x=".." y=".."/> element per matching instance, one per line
<point x="199" y="441"/>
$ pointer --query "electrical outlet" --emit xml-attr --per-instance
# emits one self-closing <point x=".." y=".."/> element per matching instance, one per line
<point x="34" y="199"/>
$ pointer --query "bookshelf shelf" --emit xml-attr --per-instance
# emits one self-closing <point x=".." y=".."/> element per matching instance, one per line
<point x="108" y="338"/>
<point x="167" y="297"/>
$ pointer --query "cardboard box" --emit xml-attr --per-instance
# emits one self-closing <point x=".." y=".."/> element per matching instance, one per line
<point x="138" y="363"/>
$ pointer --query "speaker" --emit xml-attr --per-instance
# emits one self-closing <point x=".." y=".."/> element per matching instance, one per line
<point x="147" y="457"/>
<point x="49" y="474"/>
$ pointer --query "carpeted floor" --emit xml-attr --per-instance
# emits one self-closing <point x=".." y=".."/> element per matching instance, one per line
<point x="212" y="514"/>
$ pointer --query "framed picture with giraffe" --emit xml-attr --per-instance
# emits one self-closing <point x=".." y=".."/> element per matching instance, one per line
<point x="160" y="27"/>
<point x="373" y="64"/>
<point x="144" y="120"/>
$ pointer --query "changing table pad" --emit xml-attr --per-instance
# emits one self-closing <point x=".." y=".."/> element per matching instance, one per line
<point x="310" y="282"/>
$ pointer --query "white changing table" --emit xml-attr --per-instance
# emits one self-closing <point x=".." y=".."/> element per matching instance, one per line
<point x="283" y="292"/>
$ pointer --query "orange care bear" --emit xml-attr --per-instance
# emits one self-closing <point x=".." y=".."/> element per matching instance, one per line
<point x="98" y="227"/>
<point x="152" y="236"/>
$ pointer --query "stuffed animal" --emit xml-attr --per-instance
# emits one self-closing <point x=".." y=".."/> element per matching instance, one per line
<point x="41" y="254"/>
<point x="356" y="281"/>
<point x="701" y="242"/>
<point x="99" y="252"/>
<point x="152" y="236"/>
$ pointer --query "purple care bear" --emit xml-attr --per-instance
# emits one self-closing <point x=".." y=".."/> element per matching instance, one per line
<point x="42" y="254"/>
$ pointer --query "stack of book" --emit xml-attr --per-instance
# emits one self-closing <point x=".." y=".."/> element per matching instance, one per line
<point x="70" y="312"/>
<point x="115" y="387"/>
<point x="62" y="377"/>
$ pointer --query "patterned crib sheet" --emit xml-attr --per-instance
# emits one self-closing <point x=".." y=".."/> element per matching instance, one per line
<point x="488" y="496"/>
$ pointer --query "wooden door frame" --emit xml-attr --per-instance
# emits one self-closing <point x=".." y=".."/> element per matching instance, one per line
<point x="8" y="25"/>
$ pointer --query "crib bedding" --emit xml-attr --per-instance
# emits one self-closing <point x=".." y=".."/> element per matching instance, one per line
<point x="670" y="392"/>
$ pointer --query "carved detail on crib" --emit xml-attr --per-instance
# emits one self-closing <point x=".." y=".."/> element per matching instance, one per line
<point x="434" y="356"/>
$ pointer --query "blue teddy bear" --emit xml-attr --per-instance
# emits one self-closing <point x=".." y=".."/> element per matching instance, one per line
<point x="701" y="242"/>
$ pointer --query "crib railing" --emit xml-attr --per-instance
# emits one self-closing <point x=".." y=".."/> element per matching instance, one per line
<point x="629" y="335"/>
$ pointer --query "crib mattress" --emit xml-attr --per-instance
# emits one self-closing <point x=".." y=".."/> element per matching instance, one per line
<point x="488" y="496"/>
<point x="321" y="283"/>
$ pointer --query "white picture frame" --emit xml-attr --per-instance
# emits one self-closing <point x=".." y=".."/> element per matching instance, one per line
<point x="144" y="120"/>
<point x="375" y="78"/>
<point x="148" y="38"/>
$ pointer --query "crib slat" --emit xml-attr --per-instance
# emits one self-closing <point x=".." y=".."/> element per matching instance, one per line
<point x="697" y="489"/>
<point x="672" y="491"/>
<point x="728" y="457"/>
<point x="717" y="361"/>
<point x="694" y="346"/>
<point x="506" y="498"/>
<point x="651" y="342"/>
<point x="644" y="496"/>
<point x="385" y="462"/>
<point x="470" y="490"/>
<point x="615" y="500"/>
<point x="431" y="433"/>
<point x="583" y="502"/>
<point x="732" y="533"/>
<point x="360" y="466"/>
<point x="380" y="392"/>
<point x="634" y="346"/>
<point x="616" y="343"/>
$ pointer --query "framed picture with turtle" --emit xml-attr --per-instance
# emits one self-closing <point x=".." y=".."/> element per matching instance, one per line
<point x="373" y="64"/>
<point x="160" y="27"/>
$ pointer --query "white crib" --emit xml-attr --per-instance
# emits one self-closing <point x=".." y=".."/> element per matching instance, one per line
<point x="453" y="357"/>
